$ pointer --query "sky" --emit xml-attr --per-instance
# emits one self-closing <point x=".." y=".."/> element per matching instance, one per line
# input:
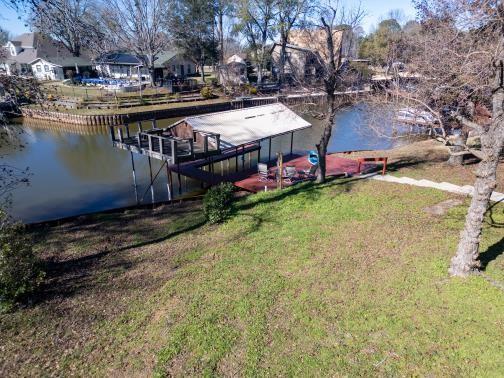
<point x="375" y="9"/>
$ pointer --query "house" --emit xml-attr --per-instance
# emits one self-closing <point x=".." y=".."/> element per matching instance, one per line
<point x="173" y="63"/>
<point x="308" y="48"/>
<point x="234" y="72"/>
<point x="120" y="65"/>
<point x="33" y="54"/>
<point x="123" y="64"/>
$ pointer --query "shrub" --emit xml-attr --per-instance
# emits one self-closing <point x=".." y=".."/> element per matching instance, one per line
<point x="253" y="90"/>
<point x="217" y="202"/>
<point x="20" y="271"/>
<point x="206" y="92"/>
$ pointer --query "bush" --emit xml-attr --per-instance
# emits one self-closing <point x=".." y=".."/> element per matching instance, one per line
<point x="253" y="90"/>
<point x="206" y="92"/>
<point x="20" y="271"/>
<point x="217" y="202"/>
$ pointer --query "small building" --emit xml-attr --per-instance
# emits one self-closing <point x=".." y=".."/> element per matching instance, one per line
<point x="173" y="63"/>
<point x="120" y="65"/>
<point x="234" y="72"/>
<point x="59" y="68"/>
<point x="33" y="54"/>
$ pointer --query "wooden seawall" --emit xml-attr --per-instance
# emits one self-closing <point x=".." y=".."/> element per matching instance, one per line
<point x="119" y="119"/>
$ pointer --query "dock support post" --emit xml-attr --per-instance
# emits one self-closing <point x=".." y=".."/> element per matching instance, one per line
<point x="269" y="150"/>
<point x="134" y="178"/>
<point x="179" y="180"/>
<point x="169" y="183"/>
<point x="259" y="153"/>
<point x="139" y="124"/>
<point x="236" y="159"/>
<point x="292" y="142"/>
<point x="151" y="183"/>
<point x="243" y="158"/>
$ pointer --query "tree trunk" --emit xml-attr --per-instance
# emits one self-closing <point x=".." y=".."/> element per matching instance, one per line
<point x="221" y="38"/>
<point x="325" y="138"/>
<point x="283" y="52"/>
<point x="466" y="259"/>
<point x="151" y="74"/>
<point x="457" y="145"/>
<point x="202" y="65"/>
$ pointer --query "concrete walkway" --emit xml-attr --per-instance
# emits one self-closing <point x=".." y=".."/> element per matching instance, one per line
<point x="466" y="190"/>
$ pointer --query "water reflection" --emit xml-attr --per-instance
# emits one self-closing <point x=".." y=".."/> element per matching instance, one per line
<point x="76" y="170"/>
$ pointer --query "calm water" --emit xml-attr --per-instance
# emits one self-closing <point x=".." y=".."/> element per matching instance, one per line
<point x="75" y="170"/>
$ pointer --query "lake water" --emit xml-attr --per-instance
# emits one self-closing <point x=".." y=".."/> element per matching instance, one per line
<point x="75" y="169"/>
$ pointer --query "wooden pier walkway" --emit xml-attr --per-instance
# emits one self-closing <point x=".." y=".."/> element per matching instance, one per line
<point x="193" y="169"/>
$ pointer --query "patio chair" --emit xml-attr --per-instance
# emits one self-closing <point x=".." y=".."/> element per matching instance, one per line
<point x="262" y="170"/>
<point x="290" y="173"/>
<point x="310" y="173"/>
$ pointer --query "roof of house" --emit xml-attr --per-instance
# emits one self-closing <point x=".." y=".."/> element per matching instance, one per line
<point x="119" y="57"/>
<point x="165" y="57"/>
<point x="243" y="126"/>
<point x="65" y="61"/>
<point x="235" y="59"/>
<point x="294" y="47"/>
<point x="36" y="46"/>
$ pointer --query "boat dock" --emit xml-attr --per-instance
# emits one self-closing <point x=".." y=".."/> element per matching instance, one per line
<point x="223" y="147"/>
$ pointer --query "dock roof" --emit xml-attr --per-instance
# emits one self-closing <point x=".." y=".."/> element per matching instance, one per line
<point x="243" y="126"/>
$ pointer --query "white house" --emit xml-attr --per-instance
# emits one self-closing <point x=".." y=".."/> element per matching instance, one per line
<point x="126" y="65"/>
<point x="120" y="65"/>
<point x="33" y="54"/>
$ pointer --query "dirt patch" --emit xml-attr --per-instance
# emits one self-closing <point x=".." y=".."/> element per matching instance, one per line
<point x="443" y="207"/>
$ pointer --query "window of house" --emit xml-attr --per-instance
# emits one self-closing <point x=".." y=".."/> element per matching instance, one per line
<point x="46" y="68"/>
<point x="39" y="68"/>
<point x="188" y="68"/>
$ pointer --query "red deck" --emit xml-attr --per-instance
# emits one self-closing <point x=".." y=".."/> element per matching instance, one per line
<point x="335" y="166"/>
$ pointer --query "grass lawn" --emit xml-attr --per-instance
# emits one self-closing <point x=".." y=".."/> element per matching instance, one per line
<point x="344" y="279"/>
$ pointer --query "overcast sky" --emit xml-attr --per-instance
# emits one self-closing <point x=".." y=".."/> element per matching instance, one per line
<point x="375" y="9"/>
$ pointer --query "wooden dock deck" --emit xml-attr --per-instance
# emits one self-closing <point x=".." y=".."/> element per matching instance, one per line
<point x="336" y="166"/>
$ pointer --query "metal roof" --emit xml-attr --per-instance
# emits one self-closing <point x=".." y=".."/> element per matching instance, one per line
<point x="243" y="126"/>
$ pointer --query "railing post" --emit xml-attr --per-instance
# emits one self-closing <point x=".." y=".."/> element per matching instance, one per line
<point x="174" y="150"/>
<point x="154" y="123"/>
<point x="139" y="124"/>
<point x="126" y="125"/>
<point x="161" y="145"/>
<point x="140" y="140"/>
<point x="149" y="137"/>
<point x="121" y="139"/>
<point x="112" y="134"/>
<point x="191" y="144"/>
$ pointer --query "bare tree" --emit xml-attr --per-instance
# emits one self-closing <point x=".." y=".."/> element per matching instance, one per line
<point x="325" y="36"/>
<point x="256" y="22"/>
<point x="71" y="22"/>
<point x="291" y="13"/>
<point x="222" y="9"/>
<point x="458" y="55"/>
<point x="139" y="26"/>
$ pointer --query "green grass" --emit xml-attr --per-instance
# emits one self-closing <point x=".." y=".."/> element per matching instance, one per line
<point x="346" y="279"/>
<point x="325" y="280"/>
